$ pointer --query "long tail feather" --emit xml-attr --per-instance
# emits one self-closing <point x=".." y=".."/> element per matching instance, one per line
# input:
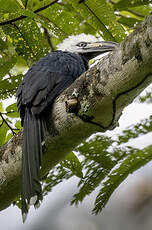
<point x="34" y="133"/>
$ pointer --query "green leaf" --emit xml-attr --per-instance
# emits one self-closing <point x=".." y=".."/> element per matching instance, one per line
<point x="72" y="162"/>
<point x="18" y="125"/>
<point x="9" y="86"/>
<point x="134" y="131"/>
<point x="146" y="98"/>
<point x="3" y="45"/>
<point x="11" y="6"/>
<point x="62" y="20"/>
<point x="8" y="137"/>
<point x="35" y="4"/>
<point x="100" y="15"/>
<point x="101" y="155"/>
<point x="130" y="22"/>
<point x="123" y="4"/>
<point x="118" y="174"/>
<point x="6" y="63"/>
<point x="3" y="131"/>
<point x="141" y="10"/>
<point x="55" y="176"/>
<point x="1" y="107"/>
<point x="97" y="163"/>
<point x="30" y="46"/>
<point x="20" y="67"/>
<point x="12" y="110"/>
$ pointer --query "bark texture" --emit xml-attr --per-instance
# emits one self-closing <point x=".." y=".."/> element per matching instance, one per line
<point x="102" y="93"/>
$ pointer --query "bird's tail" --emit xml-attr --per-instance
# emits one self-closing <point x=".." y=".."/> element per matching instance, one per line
<point x="34" y="133"/>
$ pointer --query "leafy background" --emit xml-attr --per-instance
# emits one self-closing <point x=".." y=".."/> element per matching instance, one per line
<point x="28" y="31"/>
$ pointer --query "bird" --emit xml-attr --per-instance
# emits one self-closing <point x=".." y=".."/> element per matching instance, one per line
<point x="42" y="84"/>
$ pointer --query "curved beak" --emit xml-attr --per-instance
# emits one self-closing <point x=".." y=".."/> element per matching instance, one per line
<point x="101" y="47"/>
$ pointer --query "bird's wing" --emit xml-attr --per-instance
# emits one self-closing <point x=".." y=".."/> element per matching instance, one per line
<point x="46" y="96"/>
<point x="40" y="88"/>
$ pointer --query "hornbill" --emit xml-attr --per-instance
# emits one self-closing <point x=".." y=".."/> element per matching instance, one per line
<point x="43" y="82"/>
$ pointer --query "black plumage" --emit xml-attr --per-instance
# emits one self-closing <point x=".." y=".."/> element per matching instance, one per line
<point x="41" y="85"/>
<point x="43" y="82"/>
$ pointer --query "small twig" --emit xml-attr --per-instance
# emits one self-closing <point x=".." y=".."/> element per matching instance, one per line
<point x="22" y="16"/>
<point x="26" y="4"/>
<point x="48" y="37"/>
<point x="10" y="76"/>
<point x="80" y="1"/>
<point x="4" y="121"/>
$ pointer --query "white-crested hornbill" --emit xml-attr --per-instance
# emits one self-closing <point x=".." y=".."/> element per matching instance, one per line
<point x="43" y="82"/>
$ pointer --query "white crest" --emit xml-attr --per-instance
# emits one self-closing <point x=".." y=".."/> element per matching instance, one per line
<point x="69" y="44"/>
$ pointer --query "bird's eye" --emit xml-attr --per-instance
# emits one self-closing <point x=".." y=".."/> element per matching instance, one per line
<point x="82" y="44"/>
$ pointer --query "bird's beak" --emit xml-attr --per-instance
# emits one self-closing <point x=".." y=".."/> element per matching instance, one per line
<point x="101" y="47"/>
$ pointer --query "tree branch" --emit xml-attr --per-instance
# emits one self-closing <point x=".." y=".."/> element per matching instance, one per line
<point x="4" y="121"/>
<point x="103" y="92"/>
<point x="26" y="2"/>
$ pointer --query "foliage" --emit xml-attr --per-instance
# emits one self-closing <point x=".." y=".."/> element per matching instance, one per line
<point x="146" y="96"/>
<point x="106" y="163"/>
<point x="29" y="30"/>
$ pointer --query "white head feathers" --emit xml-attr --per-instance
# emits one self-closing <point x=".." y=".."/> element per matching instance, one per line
<point x="69" y="44"/>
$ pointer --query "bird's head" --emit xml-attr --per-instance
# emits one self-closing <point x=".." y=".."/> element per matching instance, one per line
<point x="86" y="45"/>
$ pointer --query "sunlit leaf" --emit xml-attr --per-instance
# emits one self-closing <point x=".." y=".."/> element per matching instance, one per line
<point x="130" y="22"/>
<point x="3" y="131"/>
<point x="1" y="107"/>
<point x="12" y="110"/>
<point x="72" y="163"/>
<point x="18" y="125"/>
<point x="9" y="6"/>
<point x="8" y="137"/>
<point x="123" y="4"/>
